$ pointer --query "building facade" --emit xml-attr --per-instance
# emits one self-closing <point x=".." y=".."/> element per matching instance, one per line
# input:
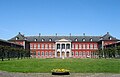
<point x="64" y="46"/>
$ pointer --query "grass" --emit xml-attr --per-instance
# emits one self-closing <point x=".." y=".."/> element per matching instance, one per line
<point x="74" y="65"/>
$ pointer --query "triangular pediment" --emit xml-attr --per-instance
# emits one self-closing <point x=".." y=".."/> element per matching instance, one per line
<point x="63" y="40"/>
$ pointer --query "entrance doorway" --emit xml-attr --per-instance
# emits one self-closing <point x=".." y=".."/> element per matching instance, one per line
<point x="63" y="54"/>
<point x="58" y="54"/>
<point x="67" y="54"/>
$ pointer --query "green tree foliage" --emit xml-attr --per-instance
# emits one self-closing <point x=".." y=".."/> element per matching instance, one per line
<point x="7" y="52"/>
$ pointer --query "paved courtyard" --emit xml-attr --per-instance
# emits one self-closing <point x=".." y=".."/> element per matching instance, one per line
<point x="9" y="74"/>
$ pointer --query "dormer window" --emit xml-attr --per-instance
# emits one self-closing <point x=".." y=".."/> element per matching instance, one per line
<point x="17" y="38"/>
<point x="43" y="39"/>
<point x="101" y="38"/>
<point x="91" y="39"/>
<point x="35" y="39"/>
<point x="110" y="38"/>
<point x="76" y="39"/>
<point x="25" y="38"/>
<point x="50" y="39"/>
<point x="83" y="39"/>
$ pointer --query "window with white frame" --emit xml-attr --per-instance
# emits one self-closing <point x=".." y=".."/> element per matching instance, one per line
<point x="83" y="46"/>
<point x="76" y="53"/>
<point x="42" y="53"/>
<point x="83" y="39"/>
<point x="87" y="46"/>
<point x="34" y="46"/>
<point x="91" y="39"/>
<point x="46" y="53"/>
<point x="38" y="53"/>
<point x="42" y="46"/>
<point x="46" y="46"/>
<point x="34" y="53"/>
<point x="31" y="46"/>
<point x="80" y="53"/>
<point x="49" y="46"/>
<point x="35" y="39"/>
<point x="17" y="38"/>
<point x="80" y="46"/>
<point x="91" y="46"/>
<point x="50" y="53"/>
<point x="53" y="46"/>
<point x="84" y="53"/>
<point x="50" y="39"/>
<point x="72" y="46"/>
<point x="76" y="39"/>
<point x="43" y="39"/>
<point x="95" y="46"/>
<point x="76" y="46"/>
<point x="38" y="46"/>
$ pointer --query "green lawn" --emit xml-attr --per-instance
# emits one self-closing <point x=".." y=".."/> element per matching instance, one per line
<point x="74" y="65"/>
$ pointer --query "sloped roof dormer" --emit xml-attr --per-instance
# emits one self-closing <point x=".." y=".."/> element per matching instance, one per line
<point x="18" y="37"/>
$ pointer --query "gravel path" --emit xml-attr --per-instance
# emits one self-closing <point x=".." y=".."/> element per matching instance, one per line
<point x="9" y="74"/>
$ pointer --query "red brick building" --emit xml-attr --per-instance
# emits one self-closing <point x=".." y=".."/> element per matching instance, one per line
<point x="63" y="46"/>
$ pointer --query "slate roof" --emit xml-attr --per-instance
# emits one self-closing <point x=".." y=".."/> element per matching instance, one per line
<point x="108" y="37"/>
<point x="72" y="38"/>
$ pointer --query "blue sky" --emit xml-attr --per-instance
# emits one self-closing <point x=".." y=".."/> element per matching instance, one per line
<point x="31" y="17"/>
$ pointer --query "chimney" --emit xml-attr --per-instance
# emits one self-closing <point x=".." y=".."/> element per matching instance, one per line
<point x="56" y="34"/>
<point x="39" y="34"/>
<point x="107" y="32"/>
<point x="83" y="34"/>
<point x="70" y="34"/>
<point x="19" y="33"/>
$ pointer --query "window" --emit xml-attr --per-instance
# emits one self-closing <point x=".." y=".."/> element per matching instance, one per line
<point x="80" y="46"/>
<point x="95" y="46"/>
<point x="58" y="46"/>
<point x="84" y="53"/>
<point x="53" y="46"/>
<point x="35" y="39"/>
<point x="76" y="39"/>
<point x="42" y="46"/>
<point x="76" y="53"/>
<point x="49" y="46"/>
<point x="34" y="46"/>
<point x="38" y="53"/>
<point x="83" y="46"/>
<point x="72" y="53"/>
<point x="87" y="46"/>
<point x="91" y="39"/>
<point x="67" y="46"/>
<point x="46" y="46"/>
<point x="63" y="46"/>
<point x="80" y="53"/>
<point x="50" y="53"/>
<point x="50" y="39"/>
<point x="31" y="46"/>
<point x="42" y="53"/>
<point x="76" y="46"/>
<point x="46" y="53"/>
<point x="38" y="46"/>
<point x="110" y="38"/>
<point x="91" y="46"/>
<point x="83" y="39"/>
<point x="72" y="46"/>
<point x="34" y="53"/>
<point x="43" y="39"/>
<point x="17" y="38"/>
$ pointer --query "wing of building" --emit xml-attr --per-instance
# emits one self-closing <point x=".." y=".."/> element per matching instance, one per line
<point x="63" y="46"/>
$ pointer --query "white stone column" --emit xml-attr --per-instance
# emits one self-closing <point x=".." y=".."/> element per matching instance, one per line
<point x="60" y="50"/>
<point x="70" y="53"/>
<point x="56" y="50"/>
<point x="65" y="50"/>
